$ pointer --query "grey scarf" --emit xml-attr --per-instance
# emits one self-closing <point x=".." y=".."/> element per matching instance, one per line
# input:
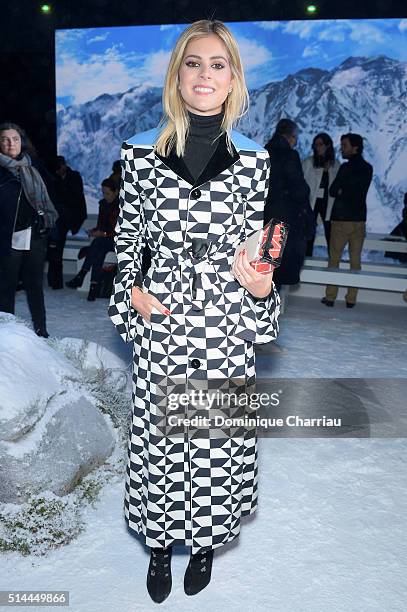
<point x="33" y="186"/>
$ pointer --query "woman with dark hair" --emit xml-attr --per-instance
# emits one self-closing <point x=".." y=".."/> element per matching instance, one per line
<point x="191" y="189"/>
<point x="27" y="215"/>
<point x="320" y="170"/>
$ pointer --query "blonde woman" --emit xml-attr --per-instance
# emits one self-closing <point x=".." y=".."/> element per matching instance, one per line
<point x="191" y="189"/>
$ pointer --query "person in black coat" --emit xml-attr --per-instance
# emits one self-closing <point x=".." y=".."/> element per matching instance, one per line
<point x="288" y="201"/>
<point x="71" y="206"/>
<point x="348" y="218"/>
<point x="26" y="217"/>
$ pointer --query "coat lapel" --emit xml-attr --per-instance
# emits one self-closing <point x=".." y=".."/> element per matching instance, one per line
<point x="219" y="162"/>
<point x="177" y="165"/>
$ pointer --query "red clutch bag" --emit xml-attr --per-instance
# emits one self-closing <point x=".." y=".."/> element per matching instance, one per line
<point x="265" y="247"/>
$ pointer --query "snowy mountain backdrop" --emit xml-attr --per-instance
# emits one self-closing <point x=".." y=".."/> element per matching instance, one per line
<point x="367" y="95"/>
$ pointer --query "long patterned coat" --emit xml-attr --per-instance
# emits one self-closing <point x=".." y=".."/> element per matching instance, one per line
<point x="186" y="490"/>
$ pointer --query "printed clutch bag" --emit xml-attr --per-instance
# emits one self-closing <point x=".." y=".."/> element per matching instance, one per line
<point x="265" y="247"/>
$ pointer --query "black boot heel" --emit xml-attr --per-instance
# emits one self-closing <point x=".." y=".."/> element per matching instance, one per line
<point x="93" y="292"/>
<point x="159" y="579"/>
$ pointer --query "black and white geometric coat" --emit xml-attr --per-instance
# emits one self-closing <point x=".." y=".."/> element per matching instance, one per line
<point x="188" y="491"/>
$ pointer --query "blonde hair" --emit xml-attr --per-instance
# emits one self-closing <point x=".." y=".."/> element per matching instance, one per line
<point x="175" y="121"/>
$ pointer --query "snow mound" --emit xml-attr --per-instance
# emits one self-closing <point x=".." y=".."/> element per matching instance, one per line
<point x="51" y="431"/>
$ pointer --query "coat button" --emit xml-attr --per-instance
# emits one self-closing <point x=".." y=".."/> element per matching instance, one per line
<point x="196" y="194"/>
<point x="195" y="363"/>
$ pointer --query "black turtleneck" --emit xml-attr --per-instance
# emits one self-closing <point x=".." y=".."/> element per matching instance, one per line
<point x="199" y="146"/>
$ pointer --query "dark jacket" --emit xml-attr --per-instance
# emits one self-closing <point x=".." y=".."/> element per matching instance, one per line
<point x="350" y="189"/>
<point x="288" y="200"/>
<point x="107" y="217"/>
<point x="13" y="204"/>
<point x="70" y="200"/>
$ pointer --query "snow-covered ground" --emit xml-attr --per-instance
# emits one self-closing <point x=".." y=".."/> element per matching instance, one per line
<point x="329" y="533"/>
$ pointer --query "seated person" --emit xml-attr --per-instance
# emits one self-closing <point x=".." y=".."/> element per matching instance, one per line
<point x="400" y="230"/>
<point x="103" y="235"/>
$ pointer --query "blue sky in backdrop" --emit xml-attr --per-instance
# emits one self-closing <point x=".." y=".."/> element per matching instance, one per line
<point x="91" y="62"/>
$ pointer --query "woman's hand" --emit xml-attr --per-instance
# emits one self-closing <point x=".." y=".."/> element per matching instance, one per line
<point x="145" y="302"/>
<point x="259" y="285"/>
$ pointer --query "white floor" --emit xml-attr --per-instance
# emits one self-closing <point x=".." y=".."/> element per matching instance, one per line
<point x="330" y="530"/>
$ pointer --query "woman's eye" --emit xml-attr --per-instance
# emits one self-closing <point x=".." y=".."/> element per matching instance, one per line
<point x="192" y="64"/>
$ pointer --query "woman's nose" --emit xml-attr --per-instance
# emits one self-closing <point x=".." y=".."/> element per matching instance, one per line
<point x="205" y="74"/>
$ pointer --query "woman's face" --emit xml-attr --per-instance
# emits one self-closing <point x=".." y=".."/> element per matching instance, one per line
<point x="320" y="147"/>
<point x="10" y="143"/>
<point x="205" y="76"/>
<point x="109" y="195"/>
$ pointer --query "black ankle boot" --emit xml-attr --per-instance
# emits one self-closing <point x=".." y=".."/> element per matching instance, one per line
<point x="198" y="573"/>
<point x="159" y="579"/>
<point x="77" y="281"/>
<point x="93" y="292"/>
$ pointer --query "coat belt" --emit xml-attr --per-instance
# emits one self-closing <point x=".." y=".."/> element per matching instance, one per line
<point x="202" y="258"/>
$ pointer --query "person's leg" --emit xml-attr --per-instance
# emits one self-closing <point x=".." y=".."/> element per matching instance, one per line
<point x="93" y="261"/>
<point x="77" y="281"/>
<point x="100" y="246"/>
<point x="356" y="240"/>
<point x="9" y="276"/>
<point x="310" y="243"/>
<point x="327" y="231"/>
<point x="159" y="579"/>
<point x="56" y="247"/>
<point x="87" y="263"/>
<point x="32" y="272"/>
<point x="310" y="247"/>
<point x="339" y="238"/>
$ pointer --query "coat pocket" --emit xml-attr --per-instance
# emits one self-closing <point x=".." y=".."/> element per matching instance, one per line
<point x="156" y="317"/>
